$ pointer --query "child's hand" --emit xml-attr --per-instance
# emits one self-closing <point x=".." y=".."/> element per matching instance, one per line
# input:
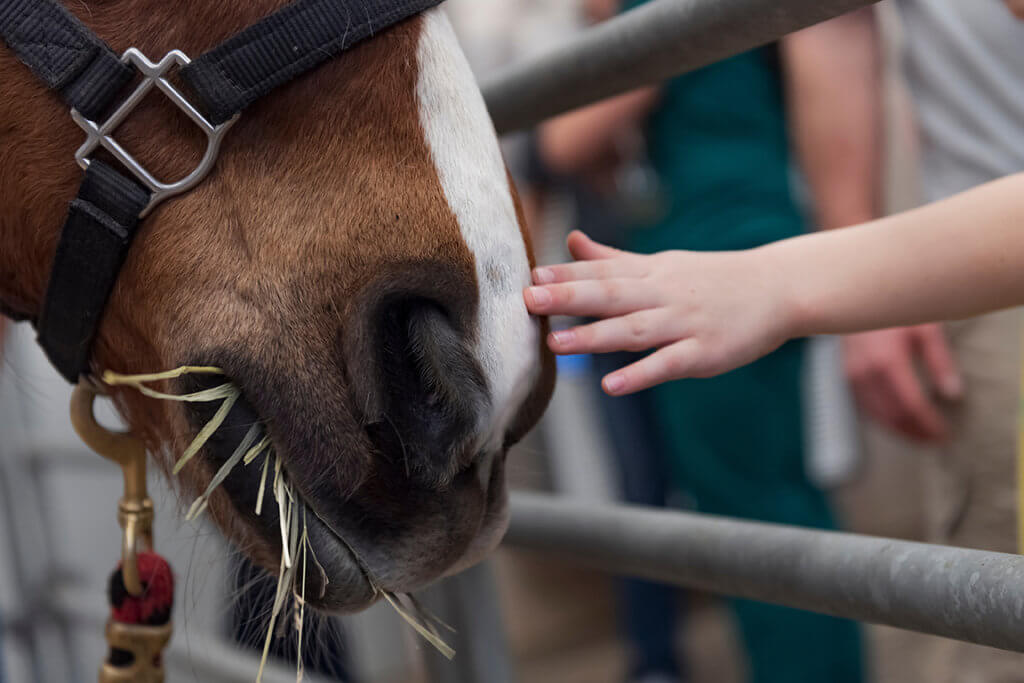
<point x="705" y="313"/>
<point x="1017" y="7"/>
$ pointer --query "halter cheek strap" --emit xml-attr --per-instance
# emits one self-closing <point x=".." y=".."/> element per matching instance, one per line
<point x="285" y="45"/>
<point x="63" y="53"/>
<point x="104" y="218"/>
<point x="93" y="245"/>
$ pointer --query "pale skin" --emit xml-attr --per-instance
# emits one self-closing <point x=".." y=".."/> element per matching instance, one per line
<point x="705" y="313"/>
<point x="900" y="376"/>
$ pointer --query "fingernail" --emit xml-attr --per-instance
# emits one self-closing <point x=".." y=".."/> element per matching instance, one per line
<point x="563" y="337"/>
<point x="543" y="275"/>
<point x="614" y="383"/>
<point x="539" y="296"/>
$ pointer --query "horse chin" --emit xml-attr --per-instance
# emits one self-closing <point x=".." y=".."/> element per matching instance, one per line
<point x="348" y="587"/>
<point x="345" y="571"/>
<point x="408" y="558"/>
<point x="392" y="533"/>
<point x="336" y="581"/>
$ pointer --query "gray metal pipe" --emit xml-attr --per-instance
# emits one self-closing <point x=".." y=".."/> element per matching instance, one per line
<point x="649" y="44"/>
<point x="964" y="594"/>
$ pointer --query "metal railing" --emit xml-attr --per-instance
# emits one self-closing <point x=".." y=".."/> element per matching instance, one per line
<point x="654" y="42"/>
<point x="968" y="595"/>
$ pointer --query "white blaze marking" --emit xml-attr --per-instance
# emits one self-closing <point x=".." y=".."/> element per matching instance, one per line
<point x="465" y="150"/>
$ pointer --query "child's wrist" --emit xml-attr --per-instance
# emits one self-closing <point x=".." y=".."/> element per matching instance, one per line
<point x="792" y="288"/>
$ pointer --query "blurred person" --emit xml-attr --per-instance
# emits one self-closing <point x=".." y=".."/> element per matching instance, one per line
<point x="954" y="386"/>
<point x="495" y="33"/>
<point x="648" y="612"/>
<point x="593" y="180"/>
<point x="707" y="313"/>
<point x="718" y="140"/>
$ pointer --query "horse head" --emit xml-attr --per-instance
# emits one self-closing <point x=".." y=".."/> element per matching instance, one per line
<point x="354" y="265"/>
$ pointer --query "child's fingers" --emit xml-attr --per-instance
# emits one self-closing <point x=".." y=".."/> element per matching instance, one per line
<point x="589" y="270"/>
<point x="583" y="248"/>
<point x="598" y="298"/>
<point x="672" y="362"/>
<point x="634" y="332"/>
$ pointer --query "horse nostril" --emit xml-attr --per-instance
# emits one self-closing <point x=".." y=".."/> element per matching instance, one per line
<point x="431" y="390"/>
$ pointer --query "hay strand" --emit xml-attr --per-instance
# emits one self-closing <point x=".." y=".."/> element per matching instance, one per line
<point x="425" y="630"/>
<point x="263" y="486"/>
<point x="203" y="500"/>
<point x="300" y="668"/>
<point x="207" y="431"/>
<point x="115" y="378"/>
<point x="255" y="451"/>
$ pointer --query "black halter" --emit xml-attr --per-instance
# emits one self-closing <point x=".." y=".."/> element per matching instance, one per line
<point x="75" y="63"/>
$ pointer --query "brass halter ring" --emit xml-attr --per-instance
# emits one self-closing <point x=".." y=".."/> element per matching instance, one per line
<point x="135" y="509"/>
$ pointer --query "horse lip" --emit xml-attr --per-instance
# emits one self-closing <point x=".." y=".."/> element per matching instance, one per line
<point x="354" y="557"/>
<point x="484" y="536"/>
<point x="339" y="593"/>
<point x="348" y="586"/>
<point x="352" y="583"/>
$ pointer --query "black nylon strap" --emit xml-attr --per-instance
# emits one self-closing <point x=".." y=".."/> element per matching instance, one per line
<point x="102" y="221"/>
<point x="93" y="245"/>
<point x="66" y="55"/>
<point x="287" y="43"/>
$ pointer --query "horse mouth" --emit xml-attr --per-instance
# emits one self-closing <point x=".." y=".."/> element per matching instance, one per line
<point x="352" y="554"/>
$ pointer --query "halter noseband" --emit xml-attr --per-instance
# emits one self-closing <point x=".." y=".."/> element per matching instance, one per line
<point x="104" y="217"/>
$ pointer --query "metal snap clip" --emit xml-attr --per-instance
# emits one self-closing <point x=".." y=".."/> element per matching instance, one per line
<point x="135" y="509"/>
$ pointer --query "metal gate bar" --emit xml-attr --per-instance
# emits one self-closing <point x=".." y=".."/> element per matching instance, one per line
<point x="968" y="595"/>
<point x="649" y="44"/>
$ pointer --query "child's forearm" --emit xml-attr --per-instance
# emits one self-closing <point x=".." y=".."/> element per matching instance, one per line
<point x="707" y="313"/>
<point x="948" y="260"/>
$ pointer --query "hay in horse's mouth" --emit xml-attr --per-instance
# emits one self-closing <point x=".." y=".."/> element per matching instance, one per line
<point x="254" y="447"/>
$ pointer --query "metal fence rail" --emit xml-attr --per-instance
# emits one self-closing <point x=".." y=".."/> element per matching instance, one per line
<point x="964" y="594"/>
<point x="658" y="40"/>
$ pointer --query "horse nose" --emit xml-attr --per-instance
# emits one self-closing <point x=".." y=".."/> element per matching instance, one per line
<point x="427" y="393"/>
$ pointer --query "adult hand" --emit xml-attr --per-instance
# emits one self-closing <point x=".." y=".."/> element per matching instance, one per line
<point x="881" y="366"/>
<point x="1017" y="7"/>
<point x="704" y="312"/>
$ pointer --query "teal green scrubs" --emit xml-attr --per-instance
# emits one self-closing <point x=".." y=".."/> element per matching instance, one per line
<point x="719" y="144"/>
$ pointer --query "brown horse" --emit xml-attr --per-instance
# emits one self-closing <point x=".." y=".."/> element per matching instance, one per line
<point x="354" y="264"/>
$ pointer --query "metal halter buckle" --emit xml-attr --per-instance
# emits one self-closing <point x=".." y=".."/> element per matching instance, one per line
<point x="102" y="134"/>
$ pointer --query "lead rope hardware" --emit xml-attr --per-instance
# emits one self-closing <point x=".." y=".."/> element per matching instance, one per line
<point x="141" y="591"/>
